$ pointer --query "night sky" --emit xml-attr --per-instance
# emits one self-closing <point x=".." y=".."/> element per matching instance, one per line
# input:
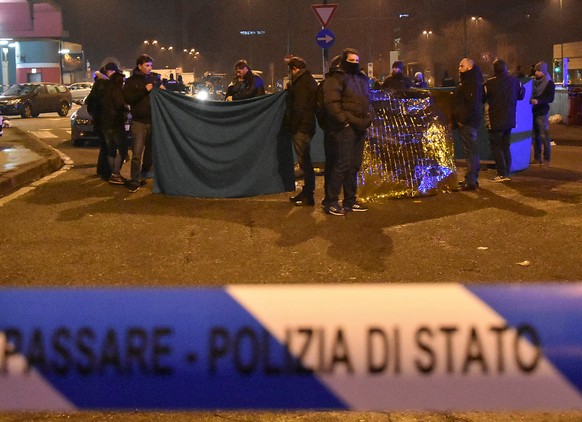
<point x="212" y="27"/>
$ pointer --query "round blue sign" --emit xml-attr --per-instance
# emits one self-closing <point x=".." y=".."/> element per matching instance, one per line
<point x="325" y="38"/>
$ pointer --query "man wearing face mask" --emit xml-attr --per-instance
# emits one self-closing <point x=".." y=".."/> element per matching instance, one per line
<point x="347" y="105"/>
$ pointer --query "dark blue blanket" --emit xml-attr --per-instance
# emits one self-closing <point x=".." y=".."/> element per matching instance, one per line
<point x="220" y="149"/>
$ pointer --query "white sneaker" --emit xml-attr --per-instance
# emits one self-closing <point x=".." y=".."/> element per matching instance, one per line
<point x="498" y="179"/>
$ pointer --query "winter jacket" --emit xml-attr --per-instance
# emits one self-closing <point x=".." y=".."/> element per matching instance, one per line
<point x="396" y="82"/>
<point x="137" y="96"/>
<point x="93" y="100"/>
<point x="501" y="93"/>
<point x="112" y="104"/>
<point x="300" y="111"/>
<point x="467" y="99"/>
<point x="251" y="86"/>
<point x="544" y="99"/>
<point x="347" y="100"/>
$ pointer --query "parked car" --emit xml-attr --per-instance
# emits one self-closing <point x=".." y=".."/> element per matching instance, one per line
<point x="31" y="99"/>
<point x="82" y="128"/>
<point x="79" y="90"/>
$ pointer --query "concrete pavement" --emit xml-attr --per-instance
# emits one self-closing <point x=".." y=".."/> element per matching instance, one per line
<point x="24" y="158"/>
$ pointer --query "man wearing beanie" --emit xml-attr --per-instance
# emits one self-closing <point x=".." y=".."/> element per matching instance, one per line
<point x="542" y="95"/>
<point x="501" y="93"/>
<point x="397" y="81"/>
<point x="346" y="98"/>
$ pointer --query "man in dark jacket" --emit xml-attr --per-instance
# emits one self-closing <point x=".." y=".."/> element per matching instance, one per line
<point x="467" y="115"/>
<point x="300" y="121"/>
<point x="113" y="126"/>
<point x="346" y="96"/>
<point x="543" y="91"/>
<point x="397" y="81"/>
<point x="93" y="102"/>
<point x="136" y="93"/>
<point x="245" y="84"/>
<point x="501" y="93"/>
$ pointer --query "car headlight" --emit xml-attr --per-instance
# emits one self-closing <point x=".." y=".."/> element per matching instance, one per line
<point x="13" y="102"/>
<point x="202" y="95"/>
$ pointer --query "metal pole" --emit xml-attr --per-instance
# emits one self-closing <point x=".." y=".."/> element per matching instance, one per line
<point x="325" y="55"/>
<point x="464" y="28"/>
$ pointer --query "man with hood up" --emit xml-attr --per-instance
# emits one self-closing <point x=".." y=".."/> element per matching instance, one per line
<point x="467" y="115"/>
<point x="543" y="91"/>
<point x="346" y="98"/>
<point x="501" y="93"/>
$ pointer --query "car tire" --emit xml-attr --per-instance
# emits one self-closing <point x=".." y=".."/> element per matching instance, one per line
<point x="78" y="142"/>
<point x="26" y="111"/>
<point x="64" y="110"/>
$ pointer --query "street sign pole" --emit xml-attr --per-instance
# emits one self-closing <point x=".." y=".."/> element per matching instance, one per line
<point x="325" y="53"/>
<point x="325" y="38"/>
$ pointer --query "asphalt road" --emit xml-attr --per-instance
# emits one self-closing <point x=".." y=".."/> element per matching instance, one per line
<point x="76" y="230"/>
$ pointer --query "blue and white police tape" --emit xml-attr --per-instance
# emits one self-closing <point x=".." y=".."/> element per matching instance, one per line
<point x="359" y="347"/>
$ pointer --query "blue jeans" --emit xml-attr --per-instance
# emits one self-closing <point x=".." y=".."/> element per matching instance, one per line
<point x="468" y="137"/>
<point x="303" y="153"/>
<point x="345" y="149"/>
<point x="541" y="137"/>
<point x="499" y="141"/>
<point x="141" y="134"/>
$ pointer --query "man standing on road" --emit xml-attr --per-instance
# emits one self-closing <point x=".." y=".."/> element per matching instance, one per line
<point x="136" y="93"/>
<point x="93" y="102"/>
<point x="467" y="115"/>
<point x="300" y="121"/>
<point x="346" y="95"/>
<point x="542" y="95"/>
<point x="501" y="93"/>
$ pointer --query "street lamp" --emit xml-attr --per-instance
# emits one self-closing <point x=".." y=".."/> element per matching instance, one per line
<point x="476" y="19"/>
<point x="426" y="33"/>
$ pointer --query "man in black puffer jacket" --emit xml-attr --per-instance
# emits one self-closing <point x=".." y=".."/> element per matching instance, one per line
<point x="467" y="115"/>
<point x="300" y="121"/>
<point x="346" y="97"/>
<point x="501" y="93"/>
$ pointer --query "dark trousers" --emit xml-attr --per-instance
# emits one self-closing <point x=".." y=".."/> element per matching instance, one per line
<point x="468" y="137"/>
<point x="103" y="168"/>
<point x="141" y="134"/>
<point x="499" y="141"/>
<point x="345" y="149"/>
<point x="116" y="148"/>
<point x="301" y="144"/>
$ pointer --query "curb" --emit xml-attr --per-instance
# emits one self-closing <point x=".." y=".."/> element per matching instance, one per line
<point x="27" y="173"/>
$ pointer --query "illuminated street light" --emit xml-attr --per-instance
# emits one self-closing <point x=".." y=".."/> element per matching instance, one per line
<point x="426" y="33"/>
<point x="476" y="19"/>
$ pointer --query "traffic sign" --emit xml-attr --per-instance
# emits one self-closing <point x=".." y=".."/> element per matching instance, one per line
<point x="325" y="38"/>
<point x="324" y="12"/>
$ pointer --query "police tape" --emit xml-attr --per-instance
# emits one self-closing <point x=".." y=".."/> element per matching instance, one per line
<point x="356" y="347"/>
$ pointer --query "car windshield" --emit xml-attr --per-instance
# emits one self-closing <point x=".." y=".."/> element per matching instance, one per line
<point x="19" y="90"/>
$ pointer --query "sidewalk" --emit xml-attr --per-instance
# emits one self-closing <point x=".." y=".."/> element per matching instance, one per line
<point x="566" y="135"/>
<point x="24" y="159"/>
